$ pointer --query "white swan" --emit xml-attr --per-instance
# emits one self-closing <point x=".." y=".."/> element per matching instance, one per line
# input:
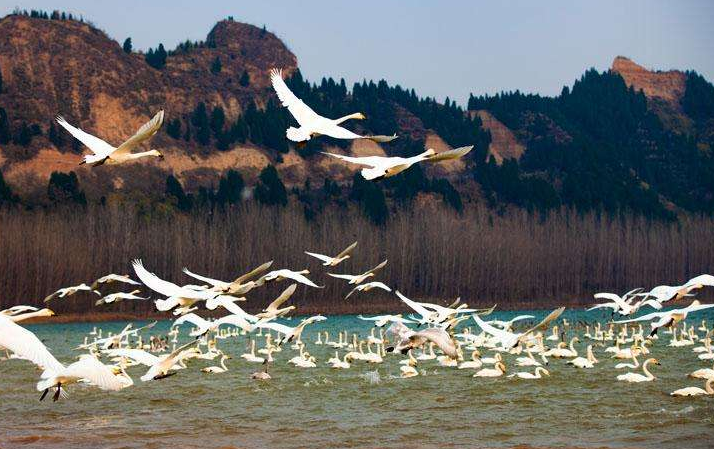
<point x="297" y="276"/>
<point x="69" y="291"/>
<point x="385" y="167"/>
<point x="105" y="153"/>
<point x="498" y="370"/>
<point x="695" y="391"/>
<point x="222" y="368"/>
<point x="290" y="333"/>
<point x="367" y="287"/>
<point x="668" y="318"/>
<point x="273" y="310"/>
<point x="42" y="313"/>
<point x="240" y="286"/>
<point x="89" y="370"/>
<point x="120" y="296"/>
<point x="703" y="373"/>
<point x="332" y="261"/>
<point x="25" y="345"/>
<point x="111" y="278"/>
<point x="312" y="124"/>
<point x="583" y="362"/>
<point x="162" y="367"/>
<point x="636" y="377"/>
<point x="509" y="340"/>
<point x="205" y="326"/>
<point x="410" y="339"/>
<point x="177" y="296"/>
<point x="358" y="279"/>
<point x="474" y="363"/>
<point x="539" y="371"/>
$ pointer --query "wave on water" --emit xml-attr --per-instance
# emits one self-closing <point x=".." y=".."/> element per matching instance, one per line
<point x="662" y="411"/>
<point x="373" y="377"/>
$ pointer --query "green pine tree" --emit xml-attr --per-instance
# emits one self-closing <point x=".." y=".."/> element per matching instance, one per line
<point x="270" y="189"/>
<point x="216" y="66"/>
<point x="127" y="47"/>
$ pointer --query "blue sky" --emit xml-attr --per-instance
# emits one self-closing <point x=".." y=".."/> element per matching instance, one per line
<point x="439" y="48"/>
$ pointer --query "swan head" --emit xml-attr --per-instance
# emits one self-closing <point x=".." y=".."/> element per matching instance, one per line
<point x="501" y="367"/>
<point x="359" y="116"/>
<point x="155" y="153"/>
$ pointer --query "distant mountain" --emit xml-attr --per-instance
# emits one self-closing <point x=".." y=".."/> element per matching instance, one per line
<point x="626" y="139"/>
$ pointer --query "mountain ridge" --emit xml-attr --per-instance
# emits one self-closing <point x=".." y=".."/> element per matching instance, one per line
<point x="222" y="114"/>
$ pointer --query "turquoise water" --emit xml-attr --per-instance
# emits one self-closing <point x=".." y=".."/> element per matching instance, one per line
<point x="364" y="406"/>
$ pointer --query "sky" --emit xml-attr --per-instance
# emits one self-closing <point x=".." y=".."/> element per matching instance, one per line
<point x="439" y="48"/>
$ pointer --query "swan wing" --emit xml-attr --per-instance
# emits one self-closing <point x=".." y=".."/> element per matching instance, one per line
<point x="256" y="271"/>
<point x="347" y="250"/>
<point x="26" y="345"/>
<point x="97" y="145"/>
<point x="439" y="337"/>
<point x="193" y="319"/>
<point x="213" y="282"/>
<point x="500" y="334"/>
<point x="418" y="308"/>
<point x="348" y="277"/>
<point x="283" y="329"/>
<point x="703" y="279"/>
<point x="302" y="112"/>
<point x="284" y="296"/>
<point x="370" y="161"/>
<point x="381" y="285"/>
<point x="235" y="320"/>
<point x="294" y="276"/>
<point x="166" y="288"/>
<point x="378" y="267"/>
<point x="97" y="373"/>
<point x="612" y="297"/>
<point x="322" y="257"/>
<point x="648" y="317"/>
<point x="450" y="154"/>
<point x="552" y="316"/>
<point x="144" y="133"/>
<point x="138" y="355"/>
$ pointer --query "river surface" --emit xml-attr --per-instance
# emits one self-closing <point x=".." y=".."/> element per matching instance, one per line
<point x="365" y="406"/>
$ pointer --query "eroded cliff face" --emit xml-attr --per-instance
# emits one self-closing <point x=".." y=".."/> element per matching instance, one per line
<point x="664" y="91"/>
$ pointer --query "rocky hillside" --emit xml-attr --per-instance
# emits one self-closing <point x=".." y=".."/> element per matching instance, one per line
<point x="70" y="68"/>
<point x="625" y="139"/>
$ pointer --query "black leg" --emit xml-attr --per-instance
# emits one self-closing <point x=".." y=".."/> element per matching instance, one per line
<point x="57" y="393"/>
<point x="44" y="394"/>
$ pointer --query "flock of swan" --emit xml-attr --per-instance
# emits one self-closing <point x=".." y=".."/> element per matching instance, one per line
<point x="450" y="336"/>
<point x="311" y="125"/>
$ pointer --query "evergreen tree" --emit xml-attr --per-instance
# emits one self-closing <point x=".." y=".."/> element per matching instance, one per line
<point x="56" y="137"/>
<point x="5" y="131"/>
<point x="173" y="128"/>
<point x="127" y="46"/>
<point x="156" y="59"/>
<point x="230" y="188"/>
<point x="244" y="79"/>
<point x="218" y="121"/>
<point x="175" y="194"/>
<point x="199" y="120"/>
<point x="270" y="189"/>
<point x="6" y="195"/>
<point x="23" y="136"/>
<point x="64" y="188"/>
<point x="371" y="198"/>
<point x="216" y="66"/>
